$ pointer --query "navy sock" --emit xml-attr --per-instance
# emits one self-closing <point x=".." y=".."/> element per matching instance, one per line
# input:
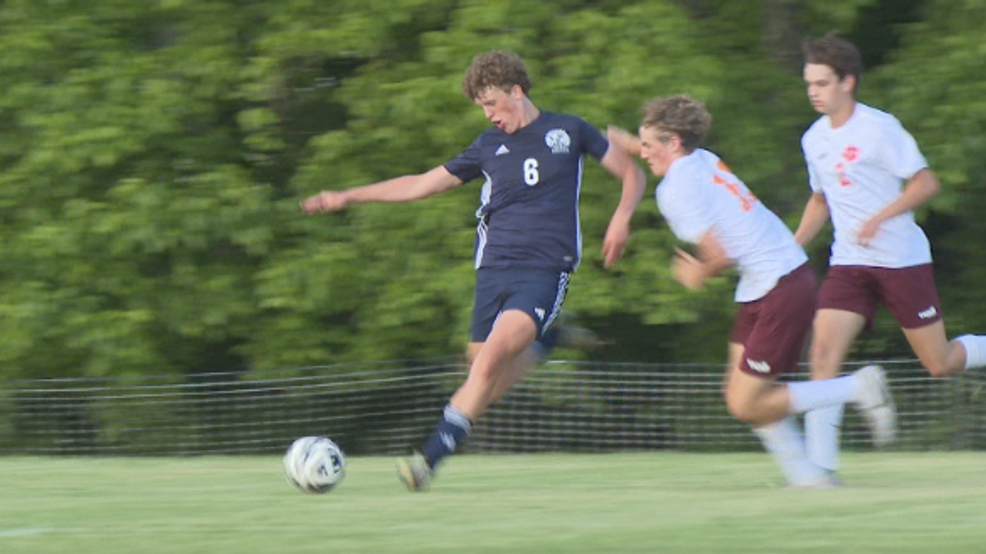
<point x="448" y="435"/>
<point x="546" y="342"/>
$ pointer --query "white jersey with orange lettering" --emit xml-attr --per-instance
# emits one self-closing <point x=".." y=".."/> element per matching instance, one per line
<point x="860" y="168"/>
<point x="699" y="194"/>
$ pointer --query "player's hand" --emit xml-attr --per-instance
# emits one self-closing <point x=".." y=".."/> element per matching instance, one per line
<point x="688" y="270"/>
<point x="867" y="232"/>
<point x="616" y="239"/>
<point x="326" y="201"/>
<point x="623" y="139"/>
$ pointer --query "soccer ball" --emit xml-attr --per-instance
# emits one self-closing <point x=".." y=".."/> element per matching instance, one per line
<point x="314" y="464"/>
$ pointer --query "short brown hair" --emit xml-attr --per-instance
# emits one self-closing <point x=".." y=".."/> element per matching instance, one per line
<point x="836" y="52"/>
<point x="681" y="115"/>
<point x="500" y="69"/>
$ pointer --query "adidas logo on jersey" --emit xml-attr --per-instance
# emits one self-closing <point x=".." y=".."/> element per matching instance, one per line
<point x="502" y="150"/>
<point x="928" y="314"/>
<point x="759" y="367"/>
<point x="540" y="313"/>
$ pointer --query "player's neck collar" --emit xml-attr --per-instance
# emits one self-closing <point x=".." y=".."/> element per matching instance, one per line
<point x="530" y="115"/>
<point x="838" y="121"/>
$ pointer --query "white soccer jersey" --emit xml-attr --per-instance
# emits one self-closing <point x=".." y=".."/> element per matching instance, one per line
<point x="699" y="194"/>
<point x="860" y="168"/>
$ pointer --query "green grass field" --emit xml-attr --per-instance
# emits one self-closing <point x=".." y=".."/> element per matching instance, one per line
<point x="667" y="503"/>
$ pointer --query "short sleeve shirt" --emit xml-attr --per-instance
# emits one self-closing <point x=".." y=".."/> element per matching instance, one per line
<point x="860" y="167"/>
<point x="699" y="195"/>
<point x="529" y="202"/>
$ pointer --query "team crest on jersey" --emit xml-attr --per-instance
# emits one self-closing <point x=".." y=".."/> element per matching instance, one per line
<point x="850" y="153"/>
<point x="558" y="141"/>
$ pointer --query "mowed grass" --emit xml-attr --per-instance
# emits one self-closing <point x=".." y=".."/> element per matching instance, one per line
<point x="652" y="502"/>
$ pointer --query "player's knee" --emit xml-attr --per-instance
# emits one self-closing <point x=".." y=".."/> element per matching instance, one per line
<point x="825" y="360"/>
<point x="938" y="368"/>
<point x="742" y="413"/>
<point x="483" y="374"/>
<point x="740" y="408"/>
<point x="819" y="352"/>
<point x="471" y="352"/>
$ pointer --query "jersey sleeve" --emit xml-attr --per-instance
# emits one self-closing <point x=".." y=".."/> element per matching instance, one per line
<point x="467" y="165"/>
<point x="814" y="181"/>
<point x="593" y="142"/>
<point x="685" y="213"/>
<point x="899" y="152"/>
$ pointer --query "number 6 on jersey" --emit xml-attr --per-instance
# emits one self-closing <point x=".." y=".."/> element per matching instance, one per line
<point x="531" y="176"/>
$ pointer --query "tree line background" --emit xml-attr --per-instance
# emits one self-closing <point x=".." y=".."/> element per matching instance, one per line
<point x="152" y="156"/>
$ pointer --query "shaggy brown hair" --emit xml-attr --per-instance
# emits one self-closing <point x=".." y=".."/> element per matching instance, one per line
<point x="836" y="52"/>
<point x="500" y="69"/>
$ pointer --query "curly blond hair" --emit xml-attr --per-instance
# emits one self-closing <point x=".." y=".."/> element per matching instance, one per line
<point x="679" y="115"/>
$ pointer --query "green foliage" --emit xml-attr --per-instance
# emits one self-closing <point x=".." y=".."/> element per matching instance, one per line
<point x="152" y="155"/>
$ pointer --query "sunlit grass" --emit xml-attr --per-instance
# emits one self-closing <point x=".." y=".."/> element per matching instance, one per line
<point x="725" y="503"/>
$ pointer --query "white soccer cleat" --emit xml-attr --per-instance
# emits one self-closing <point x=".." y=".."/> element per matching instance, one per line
<point x="876" y="404"/>
<point x="414" y="472"/>
<point x="573" y="335"/>
<point x="827" y="479"/>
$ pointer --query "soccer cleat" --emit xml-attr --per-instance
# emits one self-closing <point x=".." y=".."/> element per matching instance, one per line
<point x="828" y="479"/>
<point x="821" y="478"/>
<point x="574" y="336"/>
<point x="876" y="404"/>
<point x="414" y="472"/>
<point x="833" y="479"/>
<point x="822" y="482"/>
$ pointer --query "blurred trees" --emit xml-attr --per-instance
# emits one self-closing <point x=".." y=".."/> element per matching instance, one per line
<point x="152" y="155"/>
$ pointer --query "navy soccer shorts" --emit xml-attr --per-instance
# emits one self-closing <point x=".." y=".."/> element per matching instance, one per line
<point x="536" y="292"/>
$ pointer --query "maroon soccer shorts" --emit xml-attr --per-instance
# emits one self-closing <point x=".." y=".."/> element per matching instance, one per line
<point x="908" y="292"/>
<point x="773" y="329"/>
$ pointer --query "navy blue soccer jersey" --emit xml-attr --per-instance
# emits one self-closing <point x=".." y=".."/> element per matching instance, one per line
<point x="529" y="212"/>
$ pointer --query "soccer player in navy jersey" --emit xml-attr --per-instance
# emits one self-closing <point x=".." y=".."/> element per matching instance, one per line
<point x="529" y="237"/>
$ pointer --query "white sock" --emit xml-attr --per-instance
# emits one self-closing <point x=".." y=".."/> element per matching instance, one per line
<point x="822" y="436"/>
<point x="787" y="447"/>
<point x="975" y="350"/>
<point x="811" y="395"/>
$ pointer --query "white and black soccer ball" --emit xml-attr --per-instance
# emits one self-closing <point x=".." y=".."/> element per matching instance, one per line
<point x="314" y="464"/>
